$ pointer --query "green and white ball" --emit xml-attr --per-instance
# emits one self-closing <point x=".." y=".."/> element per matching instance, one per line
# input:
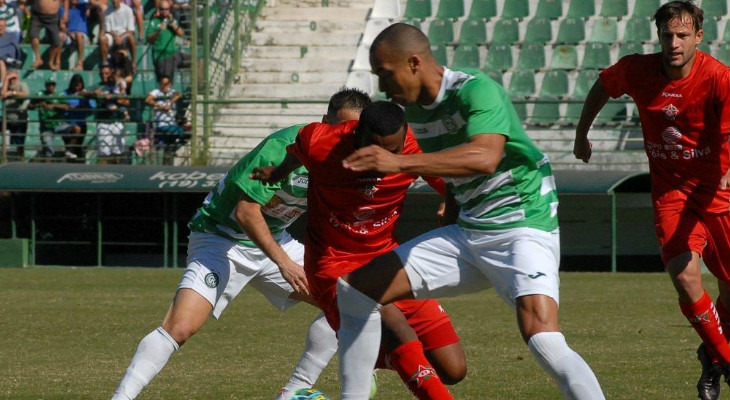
<point x="308" y="394"/>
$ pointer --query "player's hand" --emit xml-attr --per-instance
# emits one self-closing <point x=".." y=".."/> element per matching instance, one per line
<point x="372" y="158"/>
<point x="294" y="274"/>
<point x="725" y="181"/>
<point x="583" y="149"/>
<point x="266" y="175"/>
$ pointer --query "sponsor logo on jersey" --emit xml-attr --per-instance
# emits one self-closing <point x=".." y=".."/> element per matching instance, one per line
<point x="368" y="191"/>
<point x="675" y="95"/>
<point x="537" y="275"/>
<point x="364" y="214"/>
<point x="211" y="280"/>
<point x="423" y="374"/>
<point x="670" y="112"/>
<point x="671" y="135"/>
<point x="91" y="177"/>
<point x="300" y="181"/>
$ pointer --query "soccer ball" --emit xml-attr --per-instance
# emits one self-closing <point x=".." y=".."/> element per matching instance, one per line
<point x="308" y="394"/>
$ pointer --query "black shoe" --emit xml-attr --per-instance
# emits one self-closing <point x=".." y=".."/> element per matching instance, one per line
<point x="708" y="387"/>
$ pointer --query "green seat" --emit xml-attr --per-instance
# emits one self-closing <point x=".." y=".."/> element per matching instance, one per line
<point x="584" y="82"/>
<point x="450" y="9"/>
<point x="709" y="26"/>
<point x="499" y="57"/>
<point x="597" y="55"/>
<point x="520" y="106"/>
<point x="92" y="57"/>
<point x="572" y="30"/>
<point x="532" y="56"/>
<point x="627" y="48"/>
<point x="506" y="31"/>
<point x="723" y="54"/>
<point x="495" y="74"/>
<point x="441" y="31"/>
<point x="546" y="111"/>
<point x="466" y="56"/>
<point x="613" y="113"/>
<point x="714" y="8"/>
<point x="581" y="9"/>
<point x="638" y="29"/>
<point x="564" y="57"/>
<point x="573" y="111"/>
<point x="704" y="47"/>
<point x="726" y="34"/>
<point x="539" y="30"/>
<point x="439" y="53"/>
<point x="605" y="30"/>
<point x="615" y="8"/>
<point x="485" y="9"/>
<point x="418" y="9"/>
<point x="516" y="9"/>
<point x="473" y="31"/>
<point x="645" y="8"/>
<point x="522" y="83"/>
<point x="552" y="9"/>
<point x="554" y="83"/>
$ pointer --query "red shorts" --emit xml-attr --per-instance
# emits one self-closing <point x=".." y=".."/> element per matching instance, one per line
<point x="424" y="316"/>
<point x="681" y="229"/>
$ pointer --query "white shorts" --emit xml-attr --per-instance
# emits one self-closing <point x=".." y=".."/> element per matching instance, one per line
<point x="451" y="261"/>
<point x="218" y="269"/>
<point x="111" y="138"/>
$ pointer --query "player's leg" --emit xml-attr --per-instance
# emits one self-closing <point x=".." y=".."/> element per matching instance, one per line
<point x="209" y="283"/>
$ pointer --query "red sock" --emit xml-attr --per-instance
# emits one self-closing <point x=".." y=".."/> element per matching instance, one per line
<point x="724" y="319"/>
<point x="417" y="373"/>
<point x="703" y="317"/>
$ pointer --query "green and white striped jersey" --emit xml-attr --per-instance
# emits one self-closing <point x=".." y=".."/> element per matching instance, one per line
<point x="521" y="193"/>
<point x="9" y="12"/>
<point x="281" y="203"/>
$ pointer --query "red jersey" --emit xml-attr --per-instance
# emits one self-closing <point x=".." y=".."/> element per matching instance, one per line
<point x="685" y="123"/>
<point x="351" y="215"/>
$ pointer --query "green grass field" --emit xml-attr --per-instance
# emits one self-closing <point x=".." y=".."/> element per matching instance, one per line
<point x="70" y="333"/>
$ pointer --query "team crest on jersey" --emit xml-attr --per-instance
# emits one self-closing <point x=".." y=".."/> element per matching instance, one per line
<point x="449" y="124"/>
<point x="670" y="112"/>
<point x="423" y="374"/>
<point x="368" y="191"/>
<point x="211" y="280"/>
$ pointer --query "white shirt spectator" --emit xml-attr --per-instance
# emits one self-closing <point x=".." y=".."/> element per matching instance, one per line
<point x="164" y="118"/>
<point x="119" y="20"/>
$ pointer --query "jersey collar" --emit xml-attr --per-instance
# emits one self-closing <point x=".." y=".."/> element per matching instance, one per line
<point x="445" y="82"/>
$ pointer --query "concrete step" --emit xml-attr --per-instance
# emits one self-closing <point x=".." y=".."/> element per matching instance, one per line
<point x="340" y="14"/>
<point x="284" y="91"/>
<point x="321" y="26"/>
<point x="335" y="52"/>
<point x="294" y="77"/>
<point x="274" y="108"/>
<point x="305" y="38"/>
<point x="294" y="65"/>
<point x="264" y="121"/>
<point x="321" y="3"/>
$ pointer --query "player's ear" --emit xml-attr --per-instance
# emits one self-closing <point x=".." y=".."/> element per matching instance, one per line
<point x="415" y="62"/>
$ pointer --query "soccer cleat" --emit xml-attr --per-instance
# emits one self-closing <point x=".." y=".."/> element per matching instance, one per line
<point x="374" y="387"/>
<point x="708" y="386"/>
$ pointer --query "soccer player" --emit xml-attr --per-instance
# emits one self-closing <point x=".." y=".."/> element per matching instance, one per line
<point x="351" y="219"/>
<point x="507" y="230"/>
<point x="238" y="237"/>
<point x="682" y="97"/>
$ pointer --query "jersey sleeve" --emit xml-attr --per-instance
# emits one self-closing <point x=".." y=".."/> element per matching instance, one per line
<point x="272" y="153"/>
<point x="486" y="109"/>
<point x="615" y="78"/>
<point x="300" y="147"/>
<point x="722" y="94"/>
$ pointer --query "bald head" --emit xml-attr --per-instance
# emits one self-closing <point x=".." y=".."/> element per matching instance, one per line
<point x="402" y="39"/>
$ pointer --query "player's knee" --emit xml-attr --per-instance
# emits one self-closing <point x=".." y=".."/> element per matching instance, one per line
<point x="180" y="331"/>
<point x="454" y="374"/>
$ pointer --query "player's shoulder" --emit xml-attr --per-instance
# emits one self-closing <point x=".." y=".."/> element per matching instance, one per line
<point x="287" y="134"/>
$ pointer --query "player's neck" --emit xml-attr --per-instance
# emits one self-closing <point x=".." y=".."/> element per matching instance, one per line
<point x="679" y="73"/>
<point x="432" y="86"/>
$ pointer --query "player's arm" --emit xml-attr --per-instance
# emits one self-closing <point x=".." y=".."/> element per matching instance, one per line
<point x="450" y="213"/>
<point x="480" y="155"/>
<point x="278" y="173"/>
<point x="251" y="220"/>
<point x="596" y="99"/>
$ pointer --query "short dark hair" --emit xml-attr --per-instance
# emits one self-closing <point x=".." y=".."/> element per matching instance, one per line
<point x="163" y="76"/>
<point x="383" y="118"/>
<point x="676" y="9"/>
<point x="352" y="98"/>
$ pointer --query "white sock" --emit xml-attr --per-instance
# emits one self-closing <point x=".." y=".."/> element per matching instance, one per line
<point x="319" y="347"/>
<point x="152" y="354"/>
<point x="573" y="376"/>
<point x="359" y="336"/>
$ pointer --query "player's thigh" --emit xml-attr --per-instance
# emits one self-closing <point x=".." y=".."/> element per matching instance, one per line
<point x="449" y="362"/>
<point x="440" y="263"/>
<point x="716" y="253"/>
<point x="187" y="314"/>
<point x="678" y="229"/>
<point x="519" y="262"/>
<point x="272" y="284"/>
<point x="214" y="270"/>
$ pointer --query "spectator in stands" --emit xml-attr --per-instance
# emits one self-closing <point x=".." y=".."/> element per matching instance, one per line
<point x="118" y="30"/>
<point x="73" y="127"/>
<point x="121" y="63"/>
<point x="9" y="50"/>
<point x="95" y="10"/>
<point x="75" y="30"/>
<point x="9" y="13"/>
<point x="109" y="117"/>
<point x="163" y="101"/>
<point x="24" y="16"/>
<point x="163" y="30"/>
<point x="15" y="93"/>
<point x="45" y="14"/>
<point x="50" y="110"/>
<point x="136" y="6"/>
